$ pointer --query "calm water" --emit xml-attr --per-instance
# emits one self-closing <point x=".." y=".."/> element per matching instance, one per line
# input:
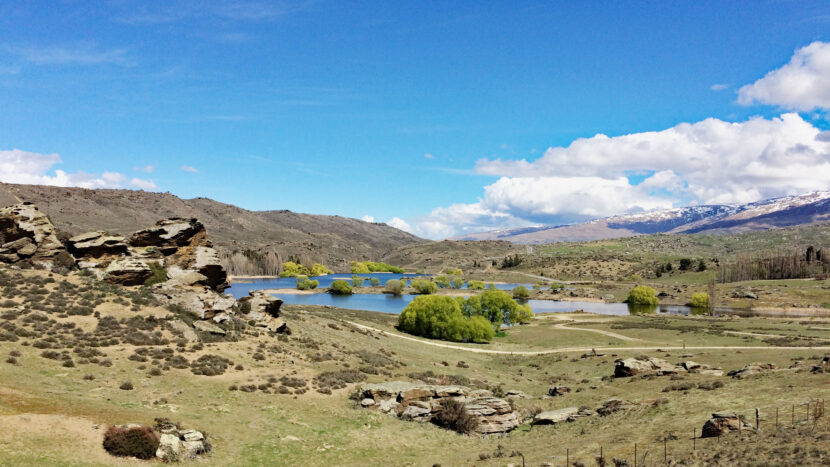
<point x="385" y="303"/>
<point x="239" y="289"/>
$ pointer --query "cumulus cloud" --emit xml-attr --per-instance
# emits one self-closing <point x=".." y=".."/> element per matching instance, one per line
<point x="802" y="84"/>
<point x="707" y="162"/>
<point x="429" y="156"/>
<point x="399" y="223"/>
<point x="145" y="169"/>
<point x="367" y="218"/>
<point x="190" y="169"/>
<point x="17" y="166"/>
<point x="719" y="87"/>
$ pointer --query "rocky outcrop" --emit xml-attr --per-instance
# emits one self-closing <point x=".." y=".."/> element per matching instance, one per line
<point x="127" y="271"/>
<point x="199" y="301"/>
<point x="558" y="391"/>
<point x="97" y="245"/>
<point x="752" y="369"/>
<point x="177" y="444"/>
<point x="568" y="414"/>
<point x="723" y="423"/>
<point x="27" y="236"/>
<point x="264" y="310"/>
<point x="421" y="402"/>
<point x="694" y="367"/>
<point x="643" y="366"/>
<point x="171" y="234"/>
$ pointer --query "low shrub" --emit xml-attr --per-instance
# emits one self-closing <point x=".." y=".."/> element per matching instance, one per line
<point x="699" y="300"/>
<point x="394" y="287"/>
<point x="424" y="286"/>
<point x="475" y="285"/>
<point x="520" y="293"/>
<point x="454" y="416"/>
<point x="139" y="442"/>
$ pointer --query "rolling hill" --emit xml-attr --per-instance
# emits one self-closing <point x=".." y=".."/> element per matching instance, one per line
<point x="249" y="242"/>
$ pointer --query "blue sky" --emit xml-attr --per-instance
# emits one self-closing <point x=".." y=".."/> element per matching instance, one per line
<point x="439" y="114"/>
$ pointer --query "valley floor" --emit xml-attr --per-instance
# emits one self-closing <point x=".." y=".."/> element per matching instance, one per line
<point x="52" y="413"/>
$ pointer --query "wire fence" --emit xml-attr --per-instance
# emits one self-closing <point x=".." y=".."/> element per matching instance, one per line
<point x="674" y="444"/>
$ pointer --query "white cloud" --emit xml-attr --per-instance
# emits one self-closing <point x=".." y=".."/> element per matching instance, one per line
<point x="17" y="166"/>
<point x="367" y="218"/>
<point x="711" y="161"/>
<point x="145" y="169"/>
<point x="190" y="169"/>
<point x="143" y="184"/>
<point x="719" y="87"/>
<point x="399" y="223"/>
<point x="85" y="53"/>
<point x="802" y="84"/>
<point x="429" y="156"/>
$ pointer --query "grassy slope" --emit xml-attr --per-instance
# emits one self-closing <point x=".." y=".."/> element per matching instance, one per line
<point x="49" y="412"/>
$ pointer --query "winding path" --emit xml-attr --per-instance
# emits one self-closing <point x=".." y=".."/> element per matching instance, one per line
<point x="573" y="349"/>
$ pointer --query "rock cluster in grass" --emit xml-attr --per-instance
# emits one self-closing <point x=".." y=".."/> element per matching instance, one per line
<point x="263" y="310"/>
<point x="423" y="402"/>
<point x="723" y="423"/>
<point x="645" y="366"/>
<point x="570" y="414"/>
<point x="752" y="369"/>
<point x="171" y="443"/>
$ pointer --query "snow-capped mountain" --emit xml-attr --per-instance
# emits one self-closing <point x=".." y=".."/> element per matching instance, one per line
<point x="718" y="218"/>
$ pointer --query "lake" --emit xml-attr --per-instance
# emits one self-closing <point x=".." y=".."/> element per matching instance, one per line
<point x="386" y="303"/>
<point x="240" y="289"/>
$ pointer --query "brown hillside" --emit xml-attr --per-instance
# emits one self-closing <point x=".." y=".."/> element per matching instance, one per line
<point x="275" y="235"/>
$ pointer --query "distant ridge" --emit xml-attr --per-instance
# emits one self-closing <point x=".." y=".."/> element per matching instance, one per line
<point x="332" y="240"/>
<point x="809" y="208"/>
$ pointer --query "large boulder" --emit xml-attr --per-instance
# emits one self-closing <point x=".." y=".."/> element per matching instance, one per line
<point x="170" y="234"/>
<point x="264" y="310"/>
<point x="644" y="366"/>
<point x="176" y="444"/>
<point x="723" y="423"/>
<point x="752" y="369"/>
<point x="552" y="417"/>
<point x="27" y="235"/>
<point x="421" y="402"/>
<point x="197" y="300"/>
<point x="127" y="271"/>
<point x="97" y="245"/>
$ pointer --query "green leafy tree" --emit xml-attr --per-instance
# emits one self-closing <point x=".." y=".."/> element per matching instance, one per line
<point x="685" y="264"/>
<point x="457" y="283"/>
<point x="424" y="286"/>
<point x="440" y="317"/>
<point x="318" y="269"/>
<point x="475" y="285"/>
<point x="394" y="287"/>
<point x="442" y="282"/>
<point x="701" y="266"/>
<point x="359" y="268"/>
<point x="304" y="283"/>
<point x="699" y="300"/>
<point x="521" y="293"/>
<point x="454" y="272"/>
<point x="374" y="282"/>
<point x="292" y="269"/>
<point x="642" y="295"/>
<point x="340" y="287"/>
<point x="357" y="281"/>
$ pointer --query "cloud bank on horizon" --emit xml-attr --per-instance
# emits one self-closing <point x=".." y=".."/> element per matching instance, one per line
<point x="707" y="162"/>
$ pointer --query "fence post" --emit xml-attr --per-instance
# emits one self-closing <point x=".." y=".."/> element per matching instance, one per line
<point x="601" y="457"/>
<point x="776" y="419"/>
<point x="757" y="418"/>
<point x="568" y="456"/>
<point x="793" y="415"/>
<point x="665" y="449"/>
<point x="694" y="439"/>
<point x="635" y="454"/>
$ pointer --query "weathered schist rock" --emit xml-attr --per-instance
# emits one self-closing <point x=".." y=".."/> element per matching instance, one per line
<point x="722" y="423"/>
<point x="95" y="251"/>
<point x="185" y="246"/>
<point x="644" y="366"/>
<point x="176" y="444"/>
<point x="264" y="310"/>
<point x="753" y="369"/>
<point x="27" y="236"/>
<point x="567" y="414"/>
<point x="127" y="271"/>
<point x="421" y="402"/>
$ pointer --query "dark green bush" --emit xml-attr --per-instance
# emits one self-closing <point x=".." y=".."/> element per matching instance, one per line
<point x="139" y="442"/>
<point x="454" y="416"/>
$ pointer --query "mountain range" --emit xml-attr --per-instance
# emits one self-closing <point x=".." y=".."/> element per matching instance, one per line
<point x="786" y="211"/>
